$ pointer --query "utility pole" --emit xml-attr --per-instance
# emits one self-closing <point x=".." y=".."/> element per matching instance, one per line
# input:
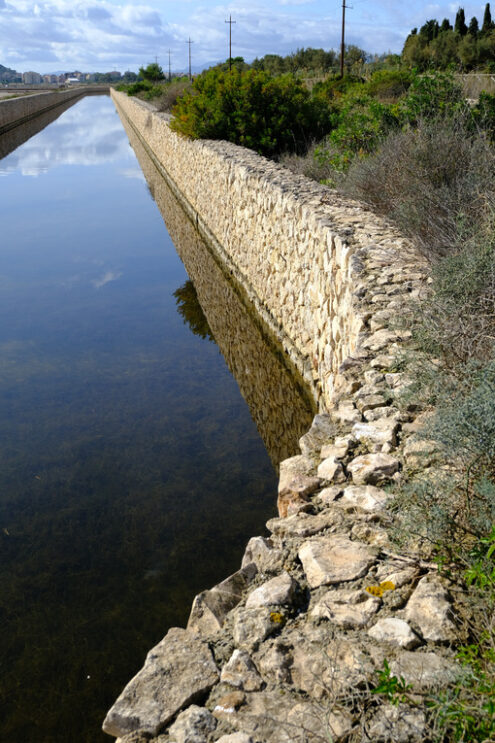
<point x="169" y="68"/>
<point x="342" y="45"/>
<point x="190" y="42"/>
<point x="230" y="22"/>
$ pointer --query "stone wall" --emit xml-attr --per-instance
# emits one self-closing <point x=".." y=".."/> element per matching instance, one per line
<point x="290" y="647"/>
<point x="15" y="111"/>
<point x="298" y="248"/>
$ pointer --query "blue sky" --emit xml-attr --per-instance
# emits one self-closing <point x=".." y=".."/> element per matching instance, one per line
<point x="89" y="35"/>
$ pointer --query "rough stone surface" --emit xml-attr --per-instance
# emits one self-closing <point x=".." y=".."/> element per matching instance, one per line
<point x="240" y="671"/>
<point x="395" y="631"/>
<point x="178" y="671"/>
<point x="210" y="608"/>
<point x="373" y="469"/>
<point x="397" y="724"/>
<point x="252" y="626"/>
<point x="278" y="591"/>
<point x="367" y="497"/>
<point x="335" y="559"/>
<point x="351" y="614"/>
<point x="193" y="725"/>
<point x="331" y="470"/>
<point x="263" y="554"/>
<point x="430" y="609"/>
<point x="424" y="670"/>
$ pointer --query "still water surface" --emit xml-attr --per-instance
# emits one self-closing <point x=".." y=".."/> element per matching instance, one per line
<point x="131" y="472"/>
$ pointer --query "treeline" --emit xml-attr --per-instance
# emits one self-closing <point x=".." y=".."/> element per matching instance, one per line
<point x="441" y="45"/>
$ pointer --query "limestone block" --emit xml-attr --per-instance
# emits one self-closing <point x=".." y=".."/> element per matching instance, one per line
<point x="192" y="726"/>
<point x="178" y="671"/>
<point x="236" y="738"/>
<point x="240" y="671"/>
<point x="395" y="631"/>
<point x="397" y="724"/>
<point x="331" y="470"/>
<point x="367" y="497"/>
<point x="379" y="432"/>
<point x="334" y="559"/>
<point x="373" y="469"/>
<point x="425" y="670"/>
<point x="262" y="552"/>
<point x="381" y="338"/>
<point x="322" y="431"/>
<point x="349" y="612"/>
<point x="295" y="483"/>
<point x="279" y="591"/>
<point x="304" y="524"/>
<point x="252" y="626"/>
<point x="430" y="609"/>
<point x="210" y="608"/>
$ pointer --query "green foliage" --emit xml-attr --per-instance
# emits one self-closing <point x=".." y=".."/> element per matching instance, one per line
<point x="391" y="687"/>
<point x="441" y="47"/>
<point x="266" y="114"/>
<point x="152" y="72"/>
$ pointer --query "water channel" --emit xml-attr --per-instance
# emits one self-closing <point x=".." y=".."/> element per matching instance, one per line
<point x="133" y="466"/>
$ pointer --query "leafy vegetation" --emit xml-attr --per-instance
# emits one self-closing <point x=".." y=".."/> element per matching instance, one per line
<point x="438" y="45"/>
<point x="251" y="108"/>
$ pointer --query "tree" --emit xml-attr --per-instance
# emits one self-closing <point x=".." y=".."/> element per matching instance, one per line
<point x="460" y="23"/>
<point x="488" y="24"/>
<point x="446" y="25"/>
<point x="152" y="72"/>
<point x="429" y="30"/>
<point x="474" y="28"/>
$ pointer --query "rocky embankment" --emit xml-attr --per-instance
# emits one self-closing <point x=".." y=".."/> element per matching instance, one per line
<point x="291" y="646"/>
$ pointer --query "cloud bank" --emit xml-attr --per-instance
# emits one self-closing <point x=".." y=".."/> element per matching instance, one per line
<point x="90" y="35"/>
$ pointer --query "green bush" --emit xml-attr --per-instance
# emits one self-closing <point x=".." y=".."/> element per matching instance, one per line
<point x="267" y="114"/>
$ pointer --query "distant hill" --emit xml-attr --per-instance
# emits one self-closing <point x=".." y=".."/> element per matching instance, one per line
<point x="9" y="76"/>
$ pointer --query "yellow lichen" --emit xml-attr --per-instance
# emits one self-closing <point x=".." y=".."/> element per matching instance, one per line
<point x="387" y="585"/>
<point x="276" y="617"/>
<point x="375" y="590"/>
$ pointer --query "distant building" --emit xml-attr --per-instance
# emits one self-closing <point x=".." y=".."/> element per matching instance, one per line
<point x="31" y="78"/>
<point x="72" y="80"/>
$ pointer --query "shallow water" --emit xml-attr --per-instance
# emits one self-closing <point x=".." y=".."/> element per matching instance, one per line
<point x="132" y="473"/>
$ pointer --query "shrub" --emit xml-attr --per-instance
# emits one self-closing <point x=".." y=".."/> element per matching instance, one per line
<point x="170" y="94"/>
<point x="267" y="114"/>
<point x="389" y="85"/>
<point x="435" y="181"/>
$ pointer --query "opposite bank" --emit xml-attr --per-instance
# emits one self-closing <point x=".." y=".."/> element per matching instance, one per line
<point x="289" y="647"/>
<point x="16" y="111"/>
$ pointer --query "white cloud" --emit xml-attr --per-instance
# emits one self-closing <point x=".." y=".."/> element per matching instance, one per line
<point x="106" y="279"/>
<point x="104" y="34"/>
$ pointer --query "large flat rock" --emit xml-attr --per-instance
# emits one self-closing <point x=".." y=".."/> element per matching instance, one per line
<point x="334" y="559"/>
<point x="178" y="671"/>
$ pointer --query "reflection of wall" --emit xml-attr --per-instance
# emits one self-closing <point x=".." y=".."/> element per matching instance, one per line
<point x="16" y="111"/>
<point x="277" y="400"/>
<point x="17" y="135"/>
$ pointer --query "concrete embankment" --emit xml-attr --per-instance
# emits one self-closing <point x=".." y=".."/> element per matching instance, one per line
<point x="289" y="647"/>
<point x="16" y="111"/>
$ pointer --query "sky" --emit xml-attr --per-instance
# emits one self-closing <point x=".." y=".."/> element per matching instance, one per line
<point x="102" y="35"/>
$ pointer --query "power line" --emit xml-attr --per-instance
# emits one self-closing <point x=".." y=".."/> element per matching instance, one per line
<point x="230" y="22"/>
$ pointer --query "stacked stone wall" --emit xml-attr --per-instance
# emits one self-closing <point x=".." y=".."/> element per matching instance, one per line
<point x="290" y="647"/>
<point x="16" y="111"/>
<point x="301" y="251"/>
